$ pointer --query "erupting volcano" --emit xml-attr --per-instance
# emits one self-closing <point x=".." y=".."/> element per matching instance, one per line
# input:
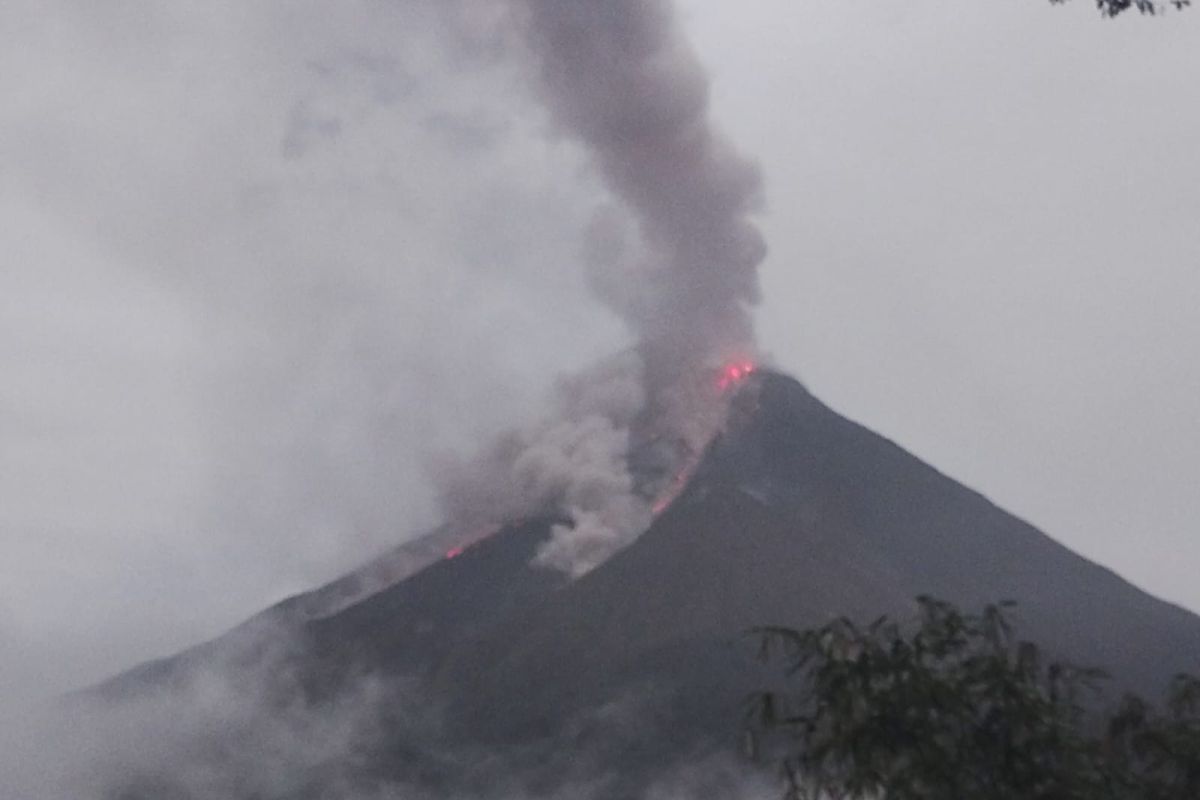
<point x="792" y="515"/>
<point x="576" y="620"/>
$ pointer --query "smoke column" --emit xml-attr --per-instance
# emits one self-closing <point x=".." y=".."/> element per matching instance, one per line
<point x="617" y="76"/>
<point x="675" y="255"/>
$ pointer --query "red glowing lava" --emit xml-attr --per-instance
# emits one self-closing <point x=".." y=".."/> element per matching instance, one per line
<point x="674" y="489"/>
<point x="471" y="537"/>
<point x="734" y="373"/>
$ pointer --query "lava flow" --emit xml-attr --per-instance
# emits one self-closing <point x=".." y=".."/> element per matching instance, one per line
<point x="729" y="376"/>
<point x="734" y="373"/>
<point x="472" y="539"/>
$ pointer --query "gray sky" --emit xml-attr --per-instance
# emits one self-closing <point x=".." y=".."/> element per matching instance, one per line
<point x="265" y="263"/>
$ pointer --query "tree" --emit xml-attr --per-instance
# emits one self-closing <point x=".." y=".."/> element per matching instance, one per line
<point x="1111" y="8"/>
<point x="956" y="707"/>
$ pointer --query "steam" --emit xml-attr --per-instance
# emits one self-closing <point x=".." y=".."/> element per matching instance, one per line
<point x="674" y="255"/>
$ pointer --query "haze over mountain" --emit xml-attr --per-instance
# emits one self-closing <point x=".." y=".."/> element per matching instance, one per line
<point x="270" y="260"/>
<point x="483" y="664"/>
<point x="234" y="232"/>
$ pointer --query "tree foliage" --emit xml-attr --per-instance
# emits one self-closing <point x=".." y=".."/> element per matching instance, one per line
<point x="956" y="707"/>
<point x="1111" y="8"/>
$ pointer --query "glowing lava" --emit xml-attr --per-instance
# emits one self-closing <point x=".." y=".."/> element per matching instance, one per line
<point x="734" y="373"/>
<point x="474" y="537"/>
<point x="674" y="489"/>
<point x="729" y="376"/>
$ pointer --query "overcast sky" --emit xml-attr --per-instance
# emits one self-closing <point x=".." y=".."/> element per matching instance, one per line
<point x="265" y="263"/>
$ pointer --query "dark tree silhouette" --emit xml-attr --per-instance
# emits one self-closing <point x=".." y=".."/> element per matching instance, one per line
<point x="955" y="707"/>
<point x="1111" y="8"/>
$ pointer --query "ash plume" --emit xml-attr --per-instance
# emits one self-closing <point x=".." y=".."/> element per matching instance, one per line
<point x="618" y="77"/>
<point x="674" y="255"/>
<point x="572" y="464"/>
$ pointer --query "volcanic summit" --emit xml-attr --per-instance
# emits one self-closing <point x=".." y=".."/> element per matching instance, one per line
<point x="492" y="665"/>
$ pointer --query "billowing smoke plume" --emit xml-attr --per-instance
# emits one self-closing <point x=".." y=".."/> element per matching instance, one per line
<point x="617" y="76"/>
<point x="675" y="255"/>
<point x="574" y="464"/>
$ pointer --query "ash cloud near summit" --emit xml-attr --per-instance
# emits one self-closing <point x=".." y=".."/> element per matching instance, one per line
<point x="675" y="255"/>
<point x="619" y="77"/>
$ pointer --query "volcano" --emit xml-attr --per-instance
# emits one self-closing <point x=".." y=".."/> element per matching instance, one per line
<point x="794" y="516"/>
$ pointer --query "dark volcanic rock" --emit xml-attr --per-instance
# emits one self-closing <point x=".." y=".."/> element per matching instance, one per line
<point x="796" y="516"/>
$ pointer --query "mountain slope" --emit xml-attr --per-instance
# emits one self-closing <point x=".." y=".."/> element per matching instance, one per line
<point x="795" y="516"/>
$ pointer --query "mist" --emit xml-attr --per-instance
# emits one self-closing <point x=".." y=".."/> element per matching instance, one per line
<point x="270" y="266"/>
<point x="269" y="270"/>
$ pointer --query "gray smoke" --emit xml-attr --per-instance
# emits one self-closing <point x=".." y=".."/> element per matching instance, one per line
<point x="618" y="77"/>
<point x="574" y="463"/>
<point x="674" y="254"/>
